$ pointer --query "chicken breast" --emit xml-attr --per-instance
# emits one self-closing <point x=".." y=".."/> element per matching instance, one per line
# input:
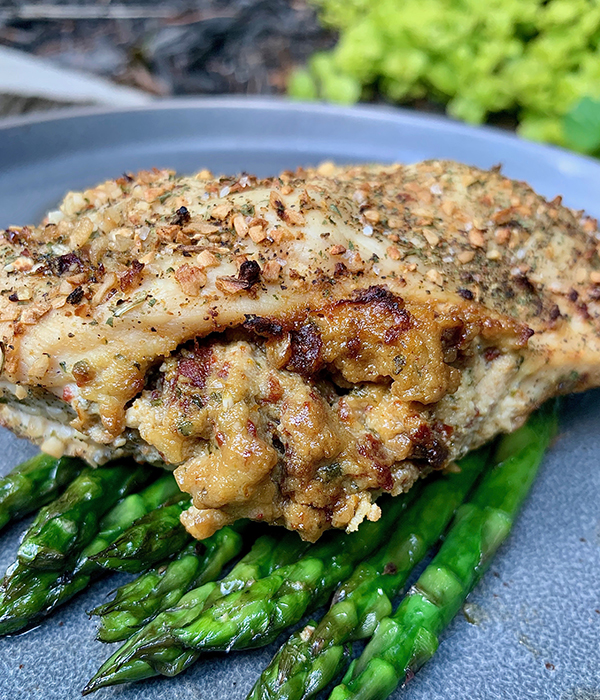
<point x="294" y="347"/>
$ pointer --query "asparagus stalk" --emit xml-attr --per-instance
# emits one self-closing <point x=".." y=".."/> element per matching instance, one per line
<point x="28" y="594"/>
<point x="314" y="656"/>
<point x="34" y="483"/>
<point x="221" y="548"/>
<point x="255" y="616"/>
<point x="145" y="656"/>
<point x="407" y="639"/>
<point x="136" y="603"/>
<point x="125" y="514"/>
<point x="151" y="539"/>
<point x="68" y="524"/>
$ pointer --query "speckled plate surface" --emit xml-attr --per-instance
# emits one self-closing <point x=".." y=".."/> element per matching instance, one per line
<point x="537" y="612"/>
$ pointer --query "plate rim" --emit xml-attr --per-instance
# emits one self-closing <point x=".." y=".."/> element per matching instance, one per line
<point x="372" y="112"/>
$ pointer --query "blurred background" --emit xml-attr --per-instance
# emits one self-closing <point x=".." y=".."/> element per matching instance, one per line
<point x="528" y="65"/>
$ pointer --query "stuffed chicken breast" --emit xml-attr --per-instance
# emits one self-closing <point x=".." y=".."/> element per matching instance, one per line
<point x="294" y="347"/>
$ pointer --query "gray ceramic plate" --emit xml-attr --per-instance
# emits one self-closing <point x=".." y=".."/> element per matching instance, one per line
<point x="538" y="609"/>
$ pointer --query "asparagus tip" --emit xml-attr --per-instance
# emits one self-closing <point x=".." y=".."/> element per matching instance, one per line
<point x="114" y="673"/>
<point x="94" y="684"/>
<point x="101" y="680"/>
<point x="105" y="676"/>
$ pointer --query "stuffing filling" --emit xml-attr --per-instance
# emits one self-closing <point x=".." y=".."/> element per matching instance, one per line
<point x="304" y="422"/>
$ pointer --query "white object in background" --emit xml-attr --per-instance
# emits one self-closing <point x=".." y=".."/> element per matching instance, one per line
<point x="29" y="76"/>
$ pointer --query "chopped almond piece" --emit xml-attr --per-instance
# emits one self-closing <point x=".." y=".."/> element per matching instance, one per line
<point x="191" y="279"/>
<point x="83" y="310"/>
<point x="276" y="202"/>
<point x="207" y="259"/>
<point x="109" y="282"/>
<point x="240" y="225"/>
<point x="371" y="215"/>
<point x="221" y="211"/>
<point x="326" y="168"/>
<point x="271" y="270"/>
<point x="589" y="225"/>
<point x="448" y="207"/>
<point x="476" y="238"/>
<point x="257" y="234"/>
<point x="66" y="287"/>
<point x="280" y="233"/>
<point x="432" y="238"/>
<point x="502" y="235"/>
<point x="132" y="277"/>
<point x="337" y="250"/>
<point x="21" y="264"/>
<point x="34" y="312"/>
<point x="436" y="277"/>
<point x="24" y="294"/>
<point x="504" y="216"/>
<point x="39" y="368"/>
<point x="465" y="256"/>
<point x="293" y="217"/>
<point x="82" y="230"/>
<point x="200" y="227"/>
<point x="581" y="275"/>
<point x="230" y="285"/>
<point x="355" y="263"/>
<point x="153" y="193"/>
